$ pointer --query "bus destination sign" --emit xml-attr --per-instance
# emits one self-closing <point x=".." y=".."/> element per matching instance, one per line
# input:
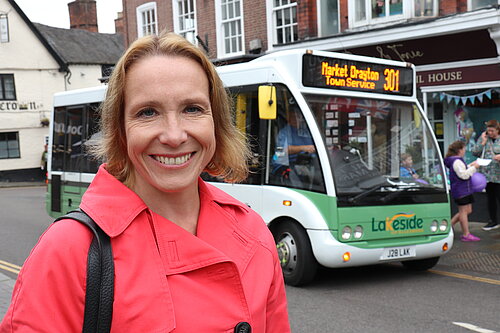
<point x="333" y="73"/>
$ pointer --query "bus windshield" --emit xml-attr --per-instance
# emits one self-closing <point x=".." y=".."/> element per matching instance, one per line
<point x="380" y="151"/>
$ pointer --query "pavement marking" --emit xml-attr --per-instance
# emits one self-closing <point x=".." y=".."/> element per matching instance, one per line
<point x="9" y="267"/>
<point x="466" y="277"/>
<point x="473" y="327"/>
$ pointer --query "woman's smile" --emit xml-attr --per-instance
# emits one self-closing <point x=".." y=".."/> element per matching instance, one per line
<point x="172" y="160"/>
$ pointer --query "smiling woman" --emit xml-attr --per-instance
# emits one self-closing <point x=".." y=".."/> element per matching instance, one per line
<point x="188" y="257"/>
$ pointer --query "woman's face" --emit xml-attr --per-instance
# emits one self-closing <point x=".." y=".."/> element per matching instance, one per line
<point x="461" y="152"/>
<point x="168" y="123"/>
<point x="492" y="132"/>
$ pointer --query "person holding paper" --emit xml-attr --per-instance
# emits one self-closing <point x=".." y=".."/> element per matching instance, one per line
<point x="461" y="188"/>
<point x="488" y="149"/>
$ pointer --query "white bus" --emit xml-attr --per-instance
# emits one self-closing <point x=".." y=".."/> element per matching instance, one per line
<point x="346" y="170"/>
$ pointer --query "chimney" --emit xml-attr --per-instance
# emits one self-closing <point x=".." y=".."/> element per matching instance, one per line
<point x="119" y="25"/>
<point x="83" y="15"/>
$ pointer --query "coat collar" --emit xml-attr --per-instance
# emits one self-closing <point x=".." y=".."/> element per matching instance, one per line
<point x="113" y="206"/>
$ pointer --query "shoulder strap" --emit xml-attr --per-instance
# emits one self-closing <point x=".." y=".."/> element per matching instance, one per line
<point x="99" y="293"/>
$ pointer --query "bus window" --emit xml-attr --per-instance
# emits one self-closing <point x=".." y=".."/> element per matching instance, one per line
<point x="294" y="161"/>
<point x="366" y="140"/>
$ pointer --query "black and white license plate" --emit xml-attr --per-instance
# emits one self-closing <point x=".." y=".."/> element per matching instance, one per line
<point x="398" y="252"/>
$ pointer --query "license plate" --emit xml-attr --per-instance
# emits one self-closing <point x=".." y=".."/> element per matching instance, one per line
<point x="398" y="252"/>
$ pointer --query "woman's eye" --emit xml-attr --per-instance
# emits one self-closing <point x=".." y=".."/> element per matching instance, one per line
<point x="193" y="109"/>
<point x="148" y="112"/>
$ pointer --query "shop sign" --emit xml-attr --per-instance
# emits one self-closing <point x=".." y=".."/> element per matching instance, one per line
<point x="472" y="74"/>
<point x="433" y="50"/>
<point x="19" y="106"/>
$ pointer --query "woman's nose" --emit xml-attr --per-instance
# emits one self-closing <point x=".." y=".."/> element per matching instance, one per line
<point x="172" y="131"/>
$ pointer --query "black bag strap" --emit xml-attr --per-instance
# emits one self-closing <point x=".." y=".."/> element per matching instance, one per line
<point x="99" y="293"/>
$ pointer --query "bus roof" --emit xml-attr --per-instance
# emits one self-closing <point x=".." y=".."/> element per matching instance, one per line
<point x="79" y="96"/>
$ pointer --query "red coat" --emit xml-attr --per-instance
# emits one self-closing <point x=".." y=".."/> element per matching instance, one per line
<point x="166" y="279"/>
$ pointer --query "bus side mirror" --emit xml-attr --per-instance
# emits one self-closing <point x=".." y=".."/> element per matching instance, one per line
<point x="267" y="102"/>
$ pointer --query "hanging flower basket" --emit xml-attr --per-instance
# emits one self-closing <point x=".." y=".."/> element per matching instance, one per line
<point x="45" y="122"/>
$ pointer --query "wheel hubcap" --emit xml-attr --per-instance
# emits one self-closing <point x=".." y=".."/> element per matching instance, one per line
<point x="287" y="252"/>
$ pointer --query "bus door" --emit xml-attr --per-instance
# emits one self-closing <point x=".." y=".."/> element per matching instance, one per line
<point x="66" y="152"/>
<point x="72" y="124"/>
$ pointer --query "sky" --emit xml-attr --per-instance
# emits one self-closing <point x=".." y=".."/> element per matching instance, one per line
<point x="55" y="12"/>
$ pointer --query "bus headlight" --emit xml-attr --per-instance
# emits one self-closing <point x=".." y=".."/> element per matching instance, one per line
<point x="434" y="226"/>
<point x="443" y="225"/>
<point x="346" y="233"/>
<point x="358" y="232"/>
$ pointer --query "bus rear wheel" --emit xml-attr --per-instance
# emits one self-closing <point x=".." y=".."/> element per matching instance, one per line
<point x="421" y="264"/>
<point x="295" y="253"/>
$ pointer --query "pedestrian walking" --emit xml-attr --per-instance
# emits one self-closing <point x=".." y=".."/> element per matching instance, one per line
<point x="187" y="256"/>
<point x="461" y="187"/>
<point x="488" y="148"/>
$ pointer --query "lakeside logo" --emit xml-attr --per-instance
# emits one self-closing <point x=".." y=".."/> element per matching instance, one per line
<point x="400" y="223"/>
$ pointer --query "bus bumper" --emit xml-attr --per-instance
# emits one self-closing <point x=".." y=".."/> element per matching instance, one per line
<point x="331" y="253"/>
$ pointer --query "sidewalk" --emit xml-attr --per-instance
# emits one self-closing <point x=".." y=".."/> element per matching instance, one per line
<point x="21" y="184"/>
<point x="477" y="258"/>
<point x="6" y="286"/>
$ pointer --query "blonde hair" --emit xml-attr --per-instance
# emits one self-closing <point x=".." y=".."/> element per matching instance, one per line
<point x="232" y="153"/>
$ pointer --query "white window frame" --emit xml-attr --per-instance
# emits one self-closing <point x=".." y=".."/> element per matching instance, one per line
<point x="272" y="15"/>
<point x="140" y="24"/>
<point x="177" y="12"/>
<point x="470" y="4"/>
<point x="221" y="50"/>
<point x="408" y="12"/>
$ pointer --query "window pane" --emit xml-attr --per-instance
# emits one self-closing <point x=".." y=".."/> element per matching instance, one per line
<point x="482" y="3"/>
<point x="280" y="36"/>
<point x="424" y="8"/>
<point x="329" y="17"/>
<point x="9" y="145"/>
<point x="396" y="7"/>
<point x="224" y="12"/>
<point x="279" y="19"/>
<point x="230" y="10"/>
<point x="360" y="11"/>
<point x="378" y="8"/>
<point x="287" y="17"/>
<point x="288" y="34"/>
<point x="237" y="8"/>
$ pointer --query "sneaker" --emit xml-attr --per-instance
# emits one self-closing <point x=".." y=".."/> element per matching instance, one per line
<point x="470" y="238"/>
<point x="490" y="226"/>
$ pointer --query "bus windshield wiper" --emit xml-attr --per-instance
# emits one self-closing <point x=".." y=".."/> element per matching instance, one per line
<point x="367" y="192"/>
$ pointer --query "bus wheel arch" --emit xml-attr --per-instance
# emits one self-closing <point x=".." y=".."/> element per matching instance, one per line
<point x="294" y="250"/>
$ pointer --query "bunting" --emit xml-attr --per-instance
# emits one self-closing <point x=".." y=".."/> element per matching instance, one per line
<point x="464" y="99"/>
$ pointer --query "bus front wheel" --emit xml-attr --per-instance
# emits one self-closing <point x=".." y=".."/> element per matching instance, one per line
<point x="295" y="253"/>
<point x="421" y="264"/>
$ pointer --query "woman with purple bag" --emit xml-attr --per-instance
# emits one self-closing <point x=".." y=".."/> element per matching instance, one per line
<point x="461" y="187"/>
